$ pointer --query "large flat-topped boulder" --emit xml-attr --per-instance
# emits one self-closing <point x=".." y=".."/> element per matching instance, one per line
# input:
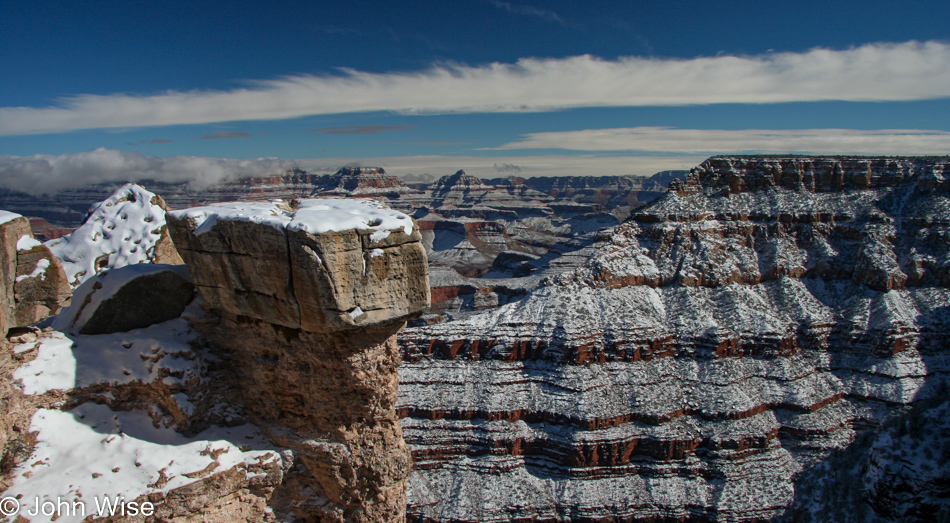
<point x="351" y="262"/>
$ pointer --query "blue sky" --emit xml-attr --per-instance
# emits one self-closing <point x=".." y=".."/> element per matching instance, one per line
<point x="424" y="88"/>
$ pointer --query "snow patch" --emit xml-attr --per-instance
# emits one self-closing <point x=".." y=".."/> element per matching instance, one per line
<point x="7" y="216"/>
<point x="38" y="272"/>
<point x="312" y="216"/>
<point x="27" y="242"/>
<point x="379" y="236"/>
<point x="54" y="367"/>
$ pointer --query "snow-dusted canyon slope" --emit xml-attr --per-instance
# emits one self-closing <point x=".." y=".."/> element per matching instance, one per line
<point x="743" y="328"/>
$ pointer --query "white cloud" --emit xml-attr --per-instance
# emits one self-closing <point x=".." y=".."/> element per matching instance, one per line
<point x="880" y="72"/>
<point x="718" y="141"/>
<point x="48" y="174"/>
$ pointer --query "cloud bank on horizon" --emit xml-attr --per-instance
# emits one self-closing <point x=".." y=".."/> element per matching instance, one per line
<point x="872" y="72"/>
<point x="49" y="174"/>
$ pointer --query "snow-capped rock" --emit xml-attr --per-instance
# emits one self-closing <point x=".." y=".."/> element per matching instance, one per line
<point x="125" y="229"/>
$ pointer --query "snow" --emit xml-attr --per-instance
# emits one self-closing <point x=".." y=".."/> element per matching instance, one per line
<point x="312" y="216"/>
<point x="7" y="216"/>
<point x="93" y="291"/>
<point x="121" y="230"/>
<point x="27" y="242"/>
<point x="38" y="272"/>
<point x="24" y="347"/>
<point x="65" y="361"/>
<point x="53" y="369"/>
<point x="379" y="236"/>
<point x="92" y="452"/>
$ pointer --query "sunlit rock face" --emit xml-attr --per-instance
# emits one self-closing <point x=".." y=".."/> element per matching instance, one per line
<point x="32" y="281"/>
<point x="725" y="340"/>
<point x="308" y="296"/>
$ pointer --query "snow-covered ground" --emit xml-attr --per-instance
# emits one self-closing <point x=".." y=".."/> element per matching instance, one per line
<point x="92" y="454"/>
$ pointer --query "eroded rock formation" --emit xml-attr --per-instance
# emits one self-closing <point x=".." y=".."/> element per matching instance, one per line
<point x="308" y="297"/>
<point x="736" y="332"/>
<point x="34" y="283"/>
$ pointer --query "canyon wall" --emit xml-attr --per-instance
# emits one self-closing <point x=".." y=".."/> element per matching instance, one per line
<point x="741" y="330"/>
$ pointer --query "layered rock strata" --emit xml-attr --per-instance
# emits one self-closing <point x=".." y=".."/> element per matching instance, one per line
<point x="308" y="297"/>
<point x="736" y="332"/>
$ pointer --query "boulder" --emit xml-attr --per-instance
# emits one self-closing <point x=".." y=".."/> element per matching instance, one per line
<point x="130" y="297"/>
<point x="301" y="267"/>
<point x="41" y="289"/>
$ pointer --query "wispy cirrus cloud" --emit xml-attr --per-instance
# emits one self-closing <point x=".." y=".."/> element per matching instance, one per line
<point x="528" y="10"/>
<point x="719" y="141"/>
<point x="49" y="174"/>
<point x="359" y="129"/>
<point x="223" y="135"/>
<point x="873" y="72"/>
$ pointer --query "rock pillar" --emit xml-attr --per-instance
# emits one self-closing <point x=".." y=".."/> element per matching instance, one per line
<point x="308" y="298"/>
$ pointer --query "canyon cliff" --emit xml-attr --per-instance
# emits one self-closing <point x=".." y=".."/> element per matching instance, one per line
<point x="720" y="346"/>
<point x="765" y="341"/>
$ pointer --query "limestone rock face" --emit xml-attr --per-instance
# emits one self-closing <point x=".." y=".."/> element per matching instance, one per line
<point x="12" y="229"/>
<point x="308" y="298"/>
<point x="34" y="283"/>
<point x="317" y="281"/>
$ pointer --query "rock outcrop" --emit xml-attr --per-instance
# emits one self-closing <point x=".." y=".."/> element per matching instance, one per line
<point x="735" y="333"/>
<point x="124" y="229"/>
<point x="308" y="296"/>
<point x="126" y="298"/>
<point x="34" y="283"/>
